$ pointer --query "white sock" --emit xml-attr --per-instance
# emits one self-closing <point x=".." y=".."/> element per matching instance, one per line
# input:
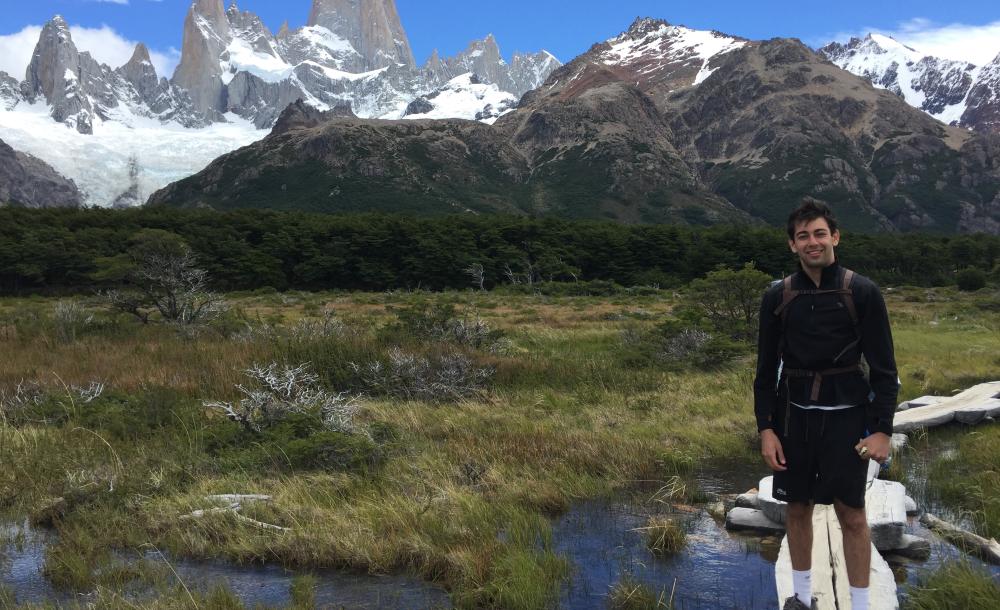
<point x="859" y="598"/>
<point x="802" y="583"/>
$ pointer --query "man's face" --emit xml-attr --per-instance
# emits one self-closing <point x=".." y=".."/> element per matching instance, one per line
<point x="814" y="243"/>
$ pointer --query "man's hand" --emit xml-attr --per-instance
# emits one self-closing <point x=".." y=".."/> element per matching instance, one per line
<point x="770" y="448"/>
<point x="875" y="447"/>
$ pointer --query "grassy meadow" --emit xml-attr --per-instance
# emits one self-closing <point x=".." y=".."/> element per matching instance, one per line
<point x="460" y="446"/>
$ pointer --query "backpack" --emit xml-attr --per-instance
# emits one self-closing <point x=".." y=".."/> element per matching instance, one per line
<point x="788" y="294"/>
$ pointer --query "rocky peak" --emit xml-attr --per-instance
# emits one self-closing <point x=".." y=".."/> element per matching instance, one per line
<point x="140" y="55"/>
<point x="10" y="91"/>
<point x="653" y="55"/>
<point x="283" y="31"/>
<point x="299" y="115"/>
<point x="983" y="104"/>
<point x="940" y="87"/>
<point x="139" y="71"/>
<point x="206" y="36"/>
<point x="372" y="27"/>
<point x="643" y="26"/>
<point x="55" y="73"/>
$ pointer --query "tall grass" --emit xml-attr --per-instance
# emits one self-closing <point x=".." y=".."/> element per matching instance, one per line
<point x="458" y="491"/>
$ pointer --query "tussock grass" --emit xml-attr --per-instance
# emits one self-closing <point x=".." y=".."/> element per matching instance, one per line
<point x="629" y="594"/>
<point x="457" y="491"/>
<point x="955" y="586"/>
<point x="664" y="536"/>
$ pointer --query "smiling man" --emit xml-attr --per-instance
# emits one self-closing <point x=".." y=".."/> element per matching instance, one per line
<point x="820" y="419"/>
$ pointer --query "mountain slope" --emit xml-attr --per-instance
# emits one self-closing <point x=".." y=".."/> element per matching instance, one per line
<point x="30" y="182"/>
<point x="662" y="123"/>
<point x="954" y="92"/>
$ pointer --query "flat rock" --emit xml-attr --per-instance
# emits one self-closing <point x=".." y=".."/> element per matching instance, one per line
<point x="914" y="547"/>
<point x="885" y="507"/>
<point x="923" y="401"/>
<point x="751" y="520"/>
<point x="976" y="414"/>
<point x="975" y="404"/>
<point x="774" y="509"/>
<point x="747" y="500"/>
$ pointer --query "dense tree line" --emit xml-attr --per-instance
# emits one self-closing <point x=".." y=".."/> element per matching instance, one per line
<point x="79" y="250"/>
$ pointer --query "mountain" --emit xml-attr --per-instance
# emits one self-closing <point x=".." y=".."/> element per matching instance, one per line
<point x="954" y="92"/>
<point x="233" y="80"/>
<point x="30" y="182"/>
<point x="662" y="123"/>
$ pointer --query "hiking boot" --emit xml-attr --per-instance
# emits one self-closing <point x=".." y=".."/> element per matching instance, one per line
<point x="794" y="603"/>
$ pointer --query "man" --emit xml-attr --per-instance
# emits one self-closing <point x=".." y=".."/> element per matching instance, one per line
<point x="820" y="420"/>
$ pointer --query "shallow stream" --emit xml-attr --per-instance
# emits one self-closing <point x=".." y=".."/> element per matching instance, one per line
<point x="601" y="538"/>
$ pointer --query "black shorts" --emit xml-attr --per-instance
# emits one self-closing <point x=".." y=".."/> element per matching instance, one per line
<point x="819" y="453"/>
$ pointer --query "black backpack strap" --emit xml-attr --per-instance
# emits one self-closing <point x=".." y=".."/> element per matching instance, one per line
<point x="787" y="296"/>
<point x="848" y="296"/>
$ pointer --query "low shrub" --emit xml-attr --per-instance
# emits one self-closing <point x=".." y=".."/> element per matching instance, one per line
<point x="970" y="279"/>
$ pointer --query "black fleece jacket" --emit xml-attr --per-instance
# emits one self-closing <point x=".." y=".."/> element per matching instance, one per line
<point x="818" y="329"/>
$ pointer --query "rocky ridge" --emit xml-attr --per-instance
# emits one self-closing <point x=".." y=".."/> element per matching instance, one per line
<point x="955" y="92"/>
<point x="30" y="182"/>
<point x="660" y="124"/>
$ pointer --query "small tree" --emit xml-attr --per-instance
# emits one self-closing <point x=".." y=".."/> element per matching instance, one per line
<point x="162" y="277"/>
<point x="478" y="274"/>
<point x="729" y="300"/>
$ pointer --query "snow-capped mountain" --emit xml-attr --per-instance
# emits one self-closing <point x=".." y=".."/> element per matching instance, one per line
<point x="954" y="92"/>
<point x="462" y="96"/>
<point x="234" y="79"/>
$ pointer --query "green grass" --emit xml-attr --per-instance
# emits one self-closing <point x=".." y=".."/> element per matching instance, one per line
<point x="458" y="492"/>
<point x="955" y="586"/>
<point x="970" y="480"/>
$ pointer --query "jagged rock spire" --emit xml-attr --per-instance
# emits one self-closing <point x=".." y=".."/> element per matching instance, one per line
<point x="372" y="27"/>
<point x="206" y="35"/>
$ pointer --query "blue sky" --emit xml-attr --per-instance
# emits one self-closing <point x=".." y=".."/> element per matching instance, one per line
<point x="566" y="28"/>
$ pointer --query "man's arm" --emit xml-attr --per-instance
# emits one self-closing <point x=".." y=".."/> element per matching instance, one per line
<point x="876" y="345"/>
<point x="764" y="384"/>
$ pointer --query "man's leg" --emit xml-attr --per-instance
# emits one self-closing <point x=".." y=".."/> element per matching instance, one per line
<point x="799" y="527"/>
<point x="857" y="551"/>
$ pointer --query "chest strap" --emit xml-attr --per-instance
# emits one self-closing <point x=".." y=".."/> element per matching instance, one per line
<point x="818" y="376"/>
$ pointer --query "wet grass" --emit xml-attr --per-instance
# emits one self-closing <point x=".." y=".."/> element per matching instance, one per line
<point x="631" y="595"/>
<point x="969" y="479"/>
<point x="459" y="491"/>
<point x="664" y="536"/>
<point x="955" y="586"/>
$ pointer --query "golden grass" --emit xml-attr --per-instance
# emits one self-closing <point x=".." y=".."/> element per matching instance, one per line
<point x="464" y="495"/>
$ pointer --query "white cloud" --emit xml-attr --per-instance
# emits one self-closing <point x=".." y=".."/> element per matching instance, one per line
<point x="979" y="44"/>
<point x="104" y="43"/>
<point x="16" y="50"/>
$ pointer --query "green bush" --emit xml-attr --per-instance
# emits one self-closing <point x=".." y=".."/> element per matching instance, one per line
<point x="728" y="300"/>
<point x="971" y="279"/>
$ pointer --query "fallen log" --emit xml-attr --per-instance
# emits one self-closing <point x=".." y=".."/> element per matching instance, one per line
<point x="988" y="550"/>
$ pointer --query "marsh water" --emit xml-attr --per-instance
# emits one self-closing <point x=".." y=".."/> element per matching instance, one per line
<point x="601" y="538"/>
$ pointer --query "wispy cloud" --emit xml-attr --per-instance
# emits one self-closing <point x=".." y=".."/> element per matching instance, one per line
<point x="104" y="43"/>
<point x="978" y="44"/>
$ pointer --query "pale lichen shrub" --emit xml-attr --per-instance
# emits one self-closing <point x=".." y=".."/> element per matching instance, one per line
<point x="440" y="378"/>
<point x="684" y="345"/>
<point x="328" y="327"/>
<point x="278" y="391"/>
<point x="69" y="319"/>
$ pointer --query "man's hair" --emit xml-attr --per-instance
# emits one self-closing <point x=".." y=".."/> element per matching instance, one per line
<point x="809" y="211"/>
